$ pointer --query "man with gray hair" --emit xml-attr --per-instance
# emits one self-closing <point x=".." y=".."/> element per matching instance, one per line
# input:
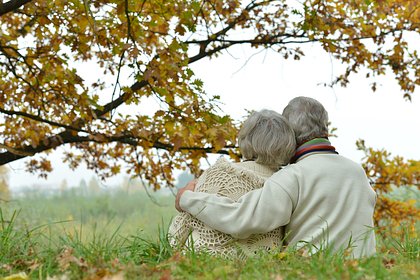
<point x="324" y="200"/>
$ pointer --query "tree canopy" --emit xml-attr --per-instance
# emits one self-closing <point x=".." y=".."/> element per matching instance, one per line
<point x="142" y="51"/>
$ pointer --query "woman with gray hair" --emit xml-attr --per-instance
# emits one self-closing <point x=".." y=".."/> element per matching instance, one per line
<point x="267" y="142"/>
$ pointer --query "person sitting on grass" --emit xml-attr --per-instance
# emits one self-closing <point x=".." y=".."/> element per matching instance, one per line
<point x="323" y="199"/>
<point x="266" y="142"/>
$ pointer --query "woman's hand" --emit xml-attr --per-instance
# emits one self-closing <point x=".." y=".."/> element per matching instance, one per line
<point x="189" y="187"/>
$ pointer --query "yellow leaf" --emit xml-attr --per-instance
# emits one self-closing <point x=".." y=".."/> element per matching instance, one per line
<point x="16" y="276"/>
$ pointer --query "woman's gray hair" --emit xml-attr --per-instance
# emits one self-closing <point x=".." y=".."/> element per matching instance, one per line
<point x="267" y="138"/>
<point x="308" y="118"/>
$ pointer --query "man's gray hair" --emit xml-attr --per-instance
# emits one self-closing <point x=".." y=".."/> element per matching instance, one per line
<point x="308" y="118"/>
<point x="267" y="138"/>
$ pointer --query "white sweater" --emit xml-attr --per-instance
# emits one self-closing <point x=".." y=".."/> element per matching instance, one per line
<point x="231" y="180"/>
<point x="323" y="199"/>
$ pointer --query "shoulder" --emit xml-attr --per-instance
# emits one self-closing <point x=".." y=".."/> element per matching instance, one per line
<point x="287" y="173"/>
<point x="220" y="164"/>
<point x="253" y="168"/>
<point x="346" y="160"/>
<point x="287" y="178"/>
<point x="349" y="166"/>
<point x="225" y="169"/>
<point x="329" y="162"/>
<point x="242" y="169"/>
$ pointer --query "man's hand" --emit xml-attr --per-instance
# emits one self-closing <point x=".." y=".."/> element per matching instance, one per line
<point x="189" y="187"/>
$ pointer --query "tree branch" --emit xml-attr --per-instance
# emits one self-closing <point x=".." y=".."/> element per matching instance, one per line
<point x="51" y="142"/>
<point x="39" y="119"/>
<point x="11" y="6"/>
<point x="121" y="99"/>
<point x="70" y="137"/>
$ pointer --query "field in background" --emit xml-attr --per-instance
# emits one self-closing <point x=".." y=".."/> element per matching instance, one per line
<point x="102" y="213"/>
<point x="77" y="234"/>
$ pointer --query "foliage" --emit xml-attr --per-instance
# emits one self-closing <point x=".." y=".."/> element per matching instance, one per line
<point x="139" y="54"/>
<point x="386" y="174"/>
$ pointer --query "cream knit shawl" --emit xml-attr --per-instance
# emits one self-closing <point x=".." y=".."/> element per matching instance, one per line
<point x="231" y="180"/>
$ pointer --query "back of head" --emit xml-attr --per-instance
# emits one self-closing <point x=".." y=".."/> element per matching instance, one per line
<point x="267" y="138"/>
<point x="308" y="118"/>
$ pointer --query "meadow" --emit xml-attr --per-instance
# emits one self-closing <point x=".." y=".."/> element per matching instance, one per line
<point x="123" y="235"/>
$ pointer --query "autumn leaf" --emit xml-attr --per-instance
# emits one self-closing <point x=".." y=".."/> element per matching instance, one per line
<point x="66" y="258"/>
<point x="141" y="98"/>
<point x="16" y="276"/>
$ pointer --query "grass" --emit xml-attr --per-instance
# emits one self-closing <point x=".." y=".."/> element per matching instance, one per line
<point x="123" y="236"/>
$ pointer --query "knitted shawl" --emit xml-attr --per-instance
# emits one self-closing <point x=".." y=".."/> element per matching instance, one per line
<point x="231" y="180"/>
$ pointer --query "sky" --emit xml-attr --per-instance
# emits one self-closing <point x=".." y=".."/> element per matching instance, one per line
<point x="255" y="80"/>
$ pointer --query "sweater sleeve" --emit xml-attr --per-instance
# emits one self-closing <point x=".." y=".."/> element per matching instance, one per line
<point x="258" y="211"/>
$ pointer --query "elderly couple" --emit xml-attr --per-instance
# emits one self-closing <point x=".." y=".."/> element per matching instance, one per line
<point x="292" y="189"/>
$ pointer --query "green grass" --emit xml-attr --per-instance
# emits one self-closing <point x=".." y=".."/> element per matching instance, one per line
<point x="124" y="235"/>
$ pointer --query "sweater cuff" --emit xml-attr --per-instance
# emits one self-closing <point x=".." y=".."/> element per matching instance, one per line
<point x="183" y="202"/>
<point x="193" y="202"/>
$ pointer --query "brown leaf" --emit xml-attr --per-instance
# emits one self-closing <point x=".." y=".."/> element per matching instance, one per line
<point x="166" y="275"/>
<point x="118" y="276"/>
<point x="66" y="257"/>
<point x="177" y="142"/>
<point x="388" y="263"/>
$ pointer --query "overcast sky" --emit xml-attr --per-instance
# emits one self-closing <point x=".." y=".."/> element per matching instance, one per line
<point x="384" y="119"/>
